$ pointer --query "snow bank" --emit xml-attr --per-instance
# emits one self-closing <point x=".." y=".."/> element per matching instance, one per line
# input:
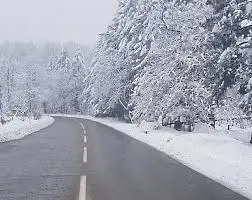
<point x="214" y="153"/>
<point x="17" y="129"/>
<point x="237" y="133"/>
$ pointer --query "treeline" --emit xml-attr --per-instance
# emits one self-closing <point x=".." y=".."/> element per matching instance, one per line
<point x="159" y="59"/>
<point x="173" y="59"/>
<point x="45" y="78"/>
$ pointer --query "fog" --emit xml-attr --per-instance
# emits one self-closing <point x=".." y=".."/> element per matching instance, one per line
<point x="55" y="20"/>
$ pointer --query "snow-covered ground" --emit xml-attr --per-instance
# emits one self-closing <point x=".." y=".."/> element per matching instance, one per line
<point x="17" y="129"/>
<point x="221" y="155"/>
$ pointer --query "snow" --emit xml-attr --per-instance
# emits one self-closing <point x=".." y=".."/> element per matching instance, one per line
<point x="249" y="86"/>
<point x="216" y="28"/>
<point x="18" y="129"/>
<point x="246" y="23"/>
<point x="249" y="8"/>
<point x="220" y="155"/>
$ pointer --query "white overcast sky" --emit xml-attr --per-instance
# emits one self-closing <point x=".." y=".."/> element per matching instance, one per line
<point x="55" y="20"/>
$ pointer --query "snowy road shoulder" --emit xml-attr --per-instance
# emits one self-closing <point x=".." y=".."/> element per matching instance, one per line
<point x="214" y="154"/>
<point x="218" y="156"/>
<point x="17" y="129"/>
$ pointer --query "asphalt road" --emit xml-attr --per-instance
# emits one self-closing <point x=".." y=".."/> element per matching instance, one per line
<point x="51" y="164"/>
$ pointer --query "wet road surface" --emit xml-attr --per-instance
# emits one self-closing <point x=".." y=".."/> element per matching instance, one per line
<point x="43" y="166"/>
<point x="51" y="164"/>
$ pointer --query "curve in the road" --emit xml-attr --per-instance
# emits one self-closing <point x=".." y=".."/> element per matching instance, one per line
<point x="80" y="159"/>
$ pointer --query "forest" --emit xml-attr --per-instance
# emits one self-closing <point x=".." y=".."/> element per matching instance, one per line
<point x="160" y="60"/>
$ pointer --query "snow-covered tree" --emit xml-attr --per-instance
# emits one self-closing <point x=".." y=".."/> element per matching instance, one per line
<point x="66" y="81"/>
<point x="37" y="78"/>
<point x="107" y="84"/>
<point x="173" y="75"/>
<point x="246" y="103"/>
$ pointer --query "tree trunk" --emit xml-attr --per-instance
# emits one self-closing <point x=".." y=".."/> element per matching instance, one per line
<point x="190" y="127"/>
<point x="178" y="125"/>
